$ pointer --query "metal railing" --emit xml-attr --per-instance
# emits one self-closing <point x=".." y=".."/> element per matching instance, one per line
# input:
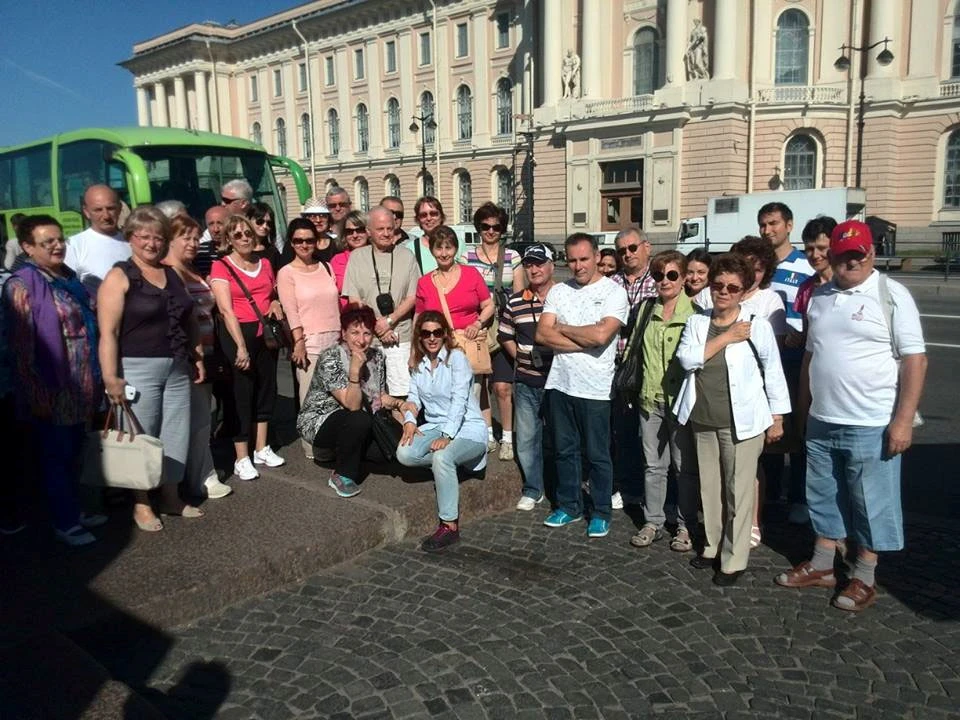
<point x="806" y="94"/>
<point x="619" y="106"/>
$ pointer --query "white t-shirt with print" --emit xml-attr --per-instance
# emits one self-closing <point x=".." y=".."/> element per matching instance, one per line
<point x="587" y="373"/>
<point x="91" y="255"/>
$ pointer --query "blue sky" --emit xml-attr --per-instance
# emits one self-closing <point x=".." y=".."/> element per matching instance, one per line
<point x="58" y="58"/>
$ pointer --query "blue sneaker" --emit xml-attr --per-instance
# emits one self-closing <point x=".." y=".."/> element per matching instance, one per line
<point x="598" y="528"/>
<point x="343" y="486"/>
<point x="558" y="518"/>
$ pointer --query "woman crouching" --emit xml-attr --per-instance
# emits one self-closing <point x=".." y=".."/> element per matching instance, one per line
<point x="454" y="434"/>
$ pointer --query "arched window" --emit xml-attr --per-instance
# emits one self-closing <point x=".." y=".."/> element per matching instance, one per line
<point x="361" y="190"/>
<point x="305" y="137"/>
<point x="281" y="137"/>
<point x="646" y="61"/>
<point x="504" y="188"/>
<point x="427" y="186"/>
<point x="426" y="112"/>
<point x="800" y="163"/>
<point x="392" y="186"/>
<point x="393" y="123"/>
<point x="333" y="130"/>
<point x="256" y="133"/>
<point x="951" y="179"/>
<point x="504" y="107"/>
<point x="464" y="113"/>
<point x="363" y="128"/>
<point x="793" y="44"/>
<point x="464" y="198"/>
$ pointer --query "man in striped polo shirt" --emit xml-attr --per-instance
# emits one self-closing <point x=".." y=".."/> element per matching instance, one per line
<point x="775" y="222"/>
<point x="517" y="335"/>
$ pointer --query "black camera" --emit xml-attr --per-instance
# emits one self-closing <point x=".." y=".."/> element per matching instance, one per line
<point x="385" y="303"/>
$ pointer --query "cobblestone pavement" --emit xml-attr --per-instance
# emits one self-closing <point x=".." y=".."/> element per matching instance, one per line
<point x="522" y="621"/>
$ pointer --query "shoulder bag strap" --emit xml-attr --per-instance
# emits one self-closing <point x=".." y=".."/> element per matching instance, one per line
<point x="246" y="292"/>
<point x="756" y="356"/>
<point x="417" y="242"/>
<point x="498" y="277"/>
<point x="443" y="301"/>
<point x="887" y="311"/>
<point x="636" y="335"/>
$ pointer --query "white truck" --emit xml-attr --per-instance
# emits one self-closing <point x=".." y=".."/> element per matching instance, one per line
<point x="730" y="217"/>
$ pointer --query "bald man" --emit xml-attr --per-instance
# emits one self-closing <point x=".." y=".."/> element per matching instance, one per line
<point x="212" y="242"/>
<point x="94" y="251"/>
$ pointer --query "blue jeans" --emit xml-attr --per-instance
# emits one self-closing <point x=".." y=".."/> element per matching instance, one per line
<point x="59" y="449"/>
<point x="575" y="421"/>
<point x="444" y="463"/>
<point x="530" y="442"/>
<point x="853" y="486"/>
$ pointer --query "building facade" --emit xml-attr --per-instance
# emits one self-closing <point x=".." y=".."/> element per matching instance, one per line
<point x="586" y="114"/>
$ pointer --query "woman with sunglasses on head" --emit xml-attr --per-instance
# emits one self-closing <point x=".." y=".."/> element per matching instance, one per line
<point x="260" y="216"/>
<point x="666" y="443"/>
<point x="241" y="337"/>
<point x="150" y="340"/>
<point x="501" y="270"/>
<point x="308" y="292"/>
<point x="609" y="263"/>
<point x="454" y="434"/>
<point x="697" y="282"/>
<point x="428" y="212"/>
<point x="354" y="236"/>
<point x="735" y="396"/>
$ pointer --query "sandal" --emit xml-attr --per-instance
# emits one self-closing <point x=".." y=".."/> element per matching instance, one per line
<point x="153" y="525"/>
<point x="647" y="536"/>
<point x="856" y="596"/>
<point x="187" y="511"/>
<point x="681" y="542"/>
<point x="755" y="537"/>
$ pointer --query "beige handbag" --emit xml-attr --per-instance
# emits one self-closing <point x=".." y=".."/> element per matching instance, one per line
<point x="114" y="458"/>
<point x="476" y="350"/>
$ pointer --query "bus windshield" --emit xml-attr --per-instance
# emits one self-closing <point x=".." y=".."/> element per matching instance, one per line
<point x="194" y="175"/>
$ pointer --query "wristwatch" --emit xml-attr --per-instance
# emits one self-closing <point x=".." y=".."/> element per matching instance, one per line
<point x="445" y="435"/>
<point x="389" y="320"/>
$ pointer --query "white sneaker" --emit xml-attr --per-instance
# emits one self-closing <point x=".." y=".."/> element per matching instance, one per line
<point x="528" y="503"/>
<point x="245" y="470"/>
<point x="216" y="489"/>
<point x="616" y="502"/>
<point x="506" y="451"/>
<point x="268" y="457"/>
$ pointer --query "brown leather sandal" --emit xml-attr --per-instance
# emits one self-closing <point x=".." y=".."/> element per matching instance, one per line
<point x="856" y="596"/>
<point x="804" y="575"/>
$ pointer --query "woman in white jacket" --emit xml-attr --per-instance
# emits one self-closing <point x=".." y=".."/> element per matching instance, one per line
<point x="734" y="396"/>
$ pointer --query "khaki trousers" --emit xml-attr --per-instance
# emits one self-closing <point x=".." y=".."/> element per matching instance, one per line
<point x="728" y="470"/>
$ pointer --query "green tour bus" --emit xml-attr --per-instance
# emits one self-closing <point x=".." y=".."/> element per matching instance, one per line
<point x="144" y="165"/>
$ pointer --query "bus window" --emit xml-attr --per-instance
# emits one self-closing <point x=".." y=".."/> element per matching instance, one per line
<point x="82" y="164"/>
<point x="25" y="178"/>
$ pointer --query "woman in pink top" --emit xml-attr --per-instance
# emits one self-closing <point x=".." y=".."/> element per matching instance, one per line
<point x="310" y="298"/>
<point x="241" y="338"/>
<point x="354" y="236"/>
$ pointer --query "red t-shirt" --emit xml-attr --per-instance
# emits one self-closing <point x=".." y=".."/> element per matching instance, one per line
<point x="261" y="285"/>
<point x="463" y="299"/>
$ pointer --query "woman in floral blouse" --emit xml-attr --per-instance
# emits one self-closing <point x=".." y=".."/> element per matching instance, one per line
<point x="348" y="387"/>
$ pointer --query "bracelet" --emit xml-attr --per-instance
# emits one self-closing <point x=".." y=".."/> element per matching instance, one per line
<point x="355" y="382"/>
<point x="300" y="340"/>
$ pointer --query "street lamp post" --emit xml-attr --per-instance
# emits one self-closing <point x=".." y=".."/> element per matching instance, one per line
<point x="426" y="121"/>
<point x="884" y="57"/>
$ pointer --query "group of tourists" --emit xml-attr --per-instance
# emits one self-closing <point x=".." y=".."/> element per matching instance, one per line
<point x="676" y="384"/>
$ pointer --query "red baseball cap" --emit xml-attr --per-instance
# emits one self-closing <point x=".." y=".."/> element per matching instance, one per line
<point x="851" y="236"/>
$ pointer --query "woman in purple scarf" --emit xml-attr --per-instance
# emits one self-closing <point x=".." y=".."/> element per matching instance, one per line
<point x="53" y="340"/>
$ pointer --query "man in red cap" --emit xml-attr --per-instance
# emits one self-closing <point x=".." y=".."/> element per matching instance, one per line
<point x="861" y="381"/>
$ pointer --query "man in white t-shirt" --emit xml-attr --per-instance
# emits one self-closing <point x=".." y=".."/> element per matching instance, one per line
<point x="580" y="322"/>
<point x="861" y="378"/>
<point x="94" y="251"/>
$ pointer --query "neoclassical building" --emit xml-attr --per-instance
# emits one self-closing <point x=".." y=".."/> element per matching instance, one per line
<point x="586" y="114"/>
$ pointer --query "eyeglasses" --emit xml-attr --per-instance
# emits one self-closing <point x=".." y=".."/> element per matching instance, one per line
<point x="427" y="334"/>
<point x="147" y="236"/>
<point x="230" y="201"/>
<point x="629" y="248"/>
<point x="240" y="234"/>
<point x="263" y="221"/>
<point x="428" y="213"/>
<point x="338" y="205"/>
<point x="302" y="240"/>
<point x="398" y="215"/>
<point x="354" y="231"/>
<point x="852" y="264"/>
<point x="672" y="276"/>
<point x="47" y="244"/>
<point x="495" y="228"/>
<point x="731" y="288"/>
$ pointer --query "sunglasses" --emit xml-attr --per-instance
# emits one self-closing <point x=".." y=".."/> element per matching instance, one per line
<point x="263" y="221"/>
<point x="230" y="201"/>
<point x="338" y="205"/>
<point x="629" y="248"/>
<point x="428" y="213"/>
<point x="398" y="215"/>
<point x="495" y="228"/>
<point x="302" y="241"/>
<point x="240" y="234"/>
<point x="354" y="231"/>
<point x="672" y="276"/>
<point x="731" y="288"/>
<point x="427" y="334"/>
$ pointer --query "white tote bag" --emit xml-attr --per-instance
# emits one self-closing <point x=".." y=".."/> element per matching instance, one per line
<point x="114" y="458"/>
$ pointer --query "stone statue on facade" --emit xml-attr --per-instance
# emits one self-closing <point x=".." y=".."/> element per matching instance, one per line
<point x="696" y="59"/>
<point x="570" y="75"/>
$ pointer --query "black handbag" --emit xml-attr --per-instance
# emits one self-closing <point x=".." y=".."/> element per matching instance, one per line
<point x="275" y="334"/>
<point x="628" y="377"/>
<point x="386" y="431"/>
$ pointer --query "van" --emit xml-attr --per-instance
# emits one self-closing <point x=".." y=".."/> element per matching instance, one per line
<point x="467" y="235"/>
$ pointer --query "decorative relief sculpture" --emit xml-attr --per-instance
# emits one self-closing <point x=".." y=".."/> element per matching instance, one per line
<point x="570" y="75"/>
<point x="696" y="59"/>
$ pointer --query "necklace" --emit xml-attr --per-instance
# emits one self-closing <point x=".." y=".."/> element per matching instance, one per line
<point x="441" y="279"/>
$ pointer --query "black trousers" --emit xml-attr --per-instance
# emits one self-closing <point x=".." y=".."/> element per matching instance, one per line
<point x="254" y="389"/>
<point x="347" y="433"/>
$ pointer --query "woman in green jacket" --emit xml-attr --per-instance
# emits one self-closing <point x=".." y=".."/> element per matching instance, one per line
<point x="666" y="443"/>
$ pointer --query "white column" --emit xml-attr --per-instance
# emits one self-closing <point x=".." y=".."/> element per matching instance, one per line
<point x="552" y="57"/>
<point x="724" y="40"/>
<point x="160" y="93"/>
<point x="346" y="107"/>
<point x="676" y="41"/>
<point x="377" y="106"/>
<point x="592" y="49"/>
<point x="143" y="107"/>
<point x="883" y="23"/>
<point x="484" y="96"/>
<point x="925" y="20"/>
<point x="180" y="101"/>
<point x="408" y="98"/>
<point x="203" y="100"/>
